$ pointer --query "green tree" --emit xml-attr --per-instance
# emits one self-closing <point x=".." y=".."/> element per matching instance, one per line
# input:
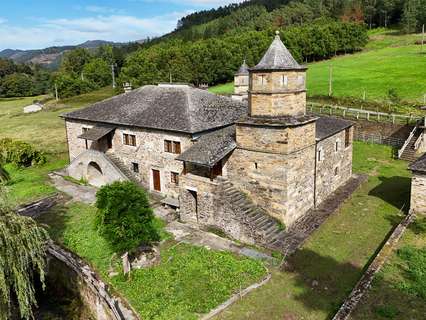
<point x="74" y="61"/>
<point x="409" y="16"/>
<point x="22" y="259"/>
<point x="98" y="71"/>
<point x="124" y="217"/>
<point x="17" y="85"/>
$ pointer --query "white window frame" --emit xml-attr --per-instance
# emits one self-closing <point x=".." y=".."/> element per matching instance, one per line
<point x="284" y="81"/>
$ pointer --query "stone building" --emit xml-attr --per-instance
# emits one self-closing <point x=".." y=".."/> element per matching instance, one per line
<point x="418" y="185"/>
<point x="241" y="82"/>
<point x="247" y="168"/>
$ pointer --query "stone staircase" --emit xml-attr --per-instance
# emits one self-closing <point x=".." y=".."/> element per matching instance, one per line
<point x="266" y="230"/>
<point x="122" y="167"/>
<point x="409" y="153"/>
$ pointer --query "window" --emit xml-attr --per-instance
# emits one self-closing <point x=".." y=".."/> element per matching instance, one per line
<point x="129" y="139"/>
<point x="176" y="147"/>
<point x="284" y="81"/>
<point x="135" y="167"/>
<point x="347" y="137"/>
<point x="172" y="146"/>
<point x="262" y="79"/>
<point x="84" y="129"/>
<point x="320" y="154"/>
<point x="174" y="178"/>
<point x="255" y="165"/>
<point x="336" y="171"/>
<point x="167" y="146"/>
<point x="337" y="145"/>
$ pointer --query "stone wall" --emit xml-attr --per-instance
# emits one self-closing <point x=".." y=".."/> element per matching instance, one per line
<point x="418" y="193"/>
<point x="241" y="84"/>
<point x="149" y="152"/>
<point x="277" y="93"/>
<point x="83" y="167"/>
<point x="335" y="167"/>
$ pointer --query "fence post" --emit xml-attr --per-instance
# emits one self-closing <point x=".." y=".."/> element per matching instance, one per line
<point x="368" y="116"/>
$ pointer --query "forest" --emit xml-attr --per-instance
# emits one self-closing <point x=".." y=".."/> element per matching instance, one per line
<point x="208" y="46"/>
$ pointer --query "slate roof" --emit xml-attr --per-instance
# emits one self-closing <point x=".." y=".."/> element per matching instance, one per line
<point x="97" y="132"/>
<point x="328" y="126"/>
<point x="211" y="148"/>
<point x="244" y="69"/>
<point x="277" y="57"/>
<point x="167" y="107"/>
<point x="419" y="165"/>
<point x="214" y="146"/>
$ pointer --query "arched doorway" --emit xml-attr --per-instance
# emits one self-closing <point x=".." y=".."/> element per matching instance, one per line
<point x="95" y="175"/>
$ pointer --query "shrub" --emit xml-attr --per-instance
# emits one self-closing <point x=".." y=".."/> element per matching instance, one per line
<point x="124" y="217"/>
<point x="20" y="153"/>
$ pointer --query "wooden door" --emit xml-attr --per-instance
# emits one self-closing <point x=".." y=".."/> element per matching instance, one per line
<point x="156" y="180"/>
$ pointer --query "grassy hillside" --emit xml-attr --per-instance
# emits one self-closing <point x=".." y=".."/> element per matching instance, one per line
<point x="388" y="61"/>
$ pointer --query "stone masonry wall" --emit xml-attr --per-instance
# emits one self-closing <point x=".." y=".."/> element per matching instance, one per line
<point x="241" y="84"/>
<point x="418" y="193"/>
<point x="335" y="168"/>
<point x="148" y="153"/>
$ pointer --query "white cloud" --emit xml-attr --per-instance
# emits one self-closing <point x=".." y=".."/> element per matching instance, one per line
<point x="103" y="10"/>
<point x="2" y="20"/>
<point x="119" y="28"/>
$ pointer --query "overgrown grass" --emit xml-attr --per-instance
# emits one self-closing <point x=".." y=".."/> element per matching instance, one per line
<point x="398" y="291"/>
<point x="30" y="184"/>
<point x="320" y="275"/>
<point x="188" y="281"/>
<point x="388" y="61"/>
<point x="44" y="129"/>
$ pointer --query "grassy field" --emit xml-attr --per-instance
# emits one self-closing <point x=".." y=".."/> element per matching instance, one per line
<point x="320" y="275"/>
<point x="188" y="281"/>
<point x="399" y="290"/>
<point x="388" y="61"/>
<point x="45" y="129"/>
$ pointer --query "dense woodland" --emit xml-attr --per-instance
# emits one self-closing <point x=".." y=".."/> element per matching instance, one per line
<point x="208" y="46"/>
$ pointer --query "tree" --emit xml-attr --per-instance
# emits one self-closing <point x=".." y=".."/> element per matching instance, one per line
<point x="98" y="71"/>
<point x="4" y="175"/>
<point x="124" y="217"/>
<point x="22" y="258"/>
<point x="17" y="85"/>
<point x="409" y="16"/>
<point x="74" y="61"/>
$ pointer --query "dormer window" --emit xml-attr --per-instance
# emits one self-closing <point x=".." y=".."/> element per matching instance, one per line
<point x="284" y="81"/>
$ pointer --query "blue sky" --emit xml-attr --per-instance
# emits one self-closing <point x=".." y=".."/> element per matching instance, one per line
<point x="26" y="24"/>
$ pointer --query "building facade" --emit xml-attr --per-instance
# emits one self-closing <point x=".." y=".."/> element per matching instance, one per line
<point x="245" y="167"/>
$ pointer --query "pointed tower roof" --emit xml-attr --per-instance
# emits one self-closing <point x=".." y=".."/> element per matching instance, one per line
<point x="244" y="69"/>
<point x="277" y="57"/>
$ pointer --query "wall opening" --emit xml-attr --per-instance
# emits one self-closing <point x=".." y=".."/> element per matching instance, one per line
<point x="94" y="174"/>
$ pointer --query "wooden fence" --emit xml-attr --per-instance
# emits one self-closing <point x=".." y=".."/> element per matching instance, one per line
<point x="379" y="139"/>
<point x="361" y="114"/>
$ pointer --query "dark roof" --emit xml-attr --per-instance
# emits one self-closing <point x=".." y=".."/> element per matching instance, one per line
<point x="283" y="121"/>
<point x="166" y="107"/>
<point x="419" y="165"/>
<point x="328" y="126"/>
<point x="97" y="132"/>
<point x="244" y="69"/>
<point x="277" y="57"/>
<point x="211" y="148"/>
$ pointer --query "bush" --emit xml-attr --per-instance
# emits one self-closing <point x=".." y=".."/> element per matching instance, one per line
<point x="124" y="217"/>
<point x="20" y="153"/>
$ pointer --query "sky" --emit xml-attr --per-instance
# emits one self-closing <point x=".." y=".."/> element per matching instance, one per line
<point x="38" y="24"/>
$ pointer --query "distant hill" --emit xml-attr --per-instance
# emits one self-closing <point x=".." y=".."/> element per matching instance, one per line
<point x="49" y="57"/>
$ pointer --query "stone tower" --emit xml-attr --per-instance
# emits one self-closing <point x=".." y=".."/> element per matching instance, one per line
<point x="241" y="80"/>
<point x="274" y="162"/>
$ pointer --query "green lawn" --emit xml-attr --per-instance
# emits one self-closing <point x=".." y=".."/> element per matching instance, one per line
<point x="399" y="290"/>
<point x="189" y="281"/>
<point x="45" y="129"/>
<point x="320" y="275"/>
<point x="388" y="61"/>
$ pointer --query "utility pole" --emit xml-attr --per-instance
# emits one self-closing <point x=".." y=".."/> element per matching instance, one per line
<point x="113" y="65"/>
<point x="170" y="77"/>
<point x="330" y="80"/>
<point x="56" y="92"/>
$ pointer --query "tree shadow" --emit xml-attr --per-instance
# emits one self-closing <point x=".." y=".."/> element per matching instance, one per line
<point x="325" y="283"/>
<point x="393" y="190"/>
<point x="55" y="221"/>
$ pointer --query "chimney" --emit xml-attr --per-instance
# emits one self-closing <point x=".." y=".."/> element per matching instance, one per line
<point x="127" y="87"/>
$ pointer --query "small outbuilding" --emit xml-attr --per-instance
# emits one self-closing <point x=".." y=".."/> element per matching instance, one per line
<point x="36" y="107"/>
